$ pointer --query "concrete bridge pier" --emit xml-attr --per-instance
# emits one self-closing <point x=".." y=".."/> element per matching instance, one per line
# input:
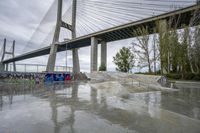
<point x="7" y="67"/>
<point x="52" y="58"/>
<point x="76" y="66"/>
<point x="2" y="67"/>
<point x="94" y="54"/>
<point x="162" y="30"/>
<point x="104" y="53"/>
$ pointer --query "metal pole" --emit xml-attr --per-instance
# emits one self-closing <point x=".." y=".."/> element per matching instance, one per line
<point x="10" y="67"/>
<point x="6" y="67"/>
<point x="24" y="67"/>
<point x="37" y="68"/>
<point x="66" y="57"/>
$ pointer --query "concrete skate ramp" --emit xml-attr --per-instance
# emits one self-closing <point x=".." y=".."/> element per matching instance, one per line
<point x="110" y="81"/>
<point x="119" y="76"/>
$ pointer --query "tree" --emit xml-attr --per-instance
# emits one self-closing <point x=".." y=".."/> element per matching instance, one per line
<point x="142" y="49"/>
<point x="194" y="42"/>
<point x="124" y="60"/>
<point x="102" y="67"/>
<point x="168" y="44"/>
<point x="173" y="50"/>
<point x="183" y="50"/>
<point x="196" y="50"/>
<point x="156" y="54"/>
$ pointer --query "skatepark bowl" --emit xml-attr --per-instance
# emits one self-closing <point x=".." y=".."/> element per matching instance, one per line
<point x="80" y="107"/>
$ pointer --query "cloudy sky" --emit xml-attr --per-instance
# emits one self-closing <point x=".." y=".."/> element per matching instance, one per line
<point x="21" y="20"/>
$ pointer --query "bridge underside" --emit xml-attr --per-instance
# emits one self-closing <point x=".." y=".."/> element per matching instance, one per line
<point x="117" y="33"/>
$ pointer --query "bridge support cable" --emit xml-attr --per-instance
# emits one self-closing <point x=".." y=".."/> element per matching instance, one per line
<point x="44" y="32"/>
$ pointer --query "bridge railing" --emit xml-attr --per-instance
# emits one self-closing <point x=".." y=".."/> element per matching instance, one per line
<point x="37" y="68"/>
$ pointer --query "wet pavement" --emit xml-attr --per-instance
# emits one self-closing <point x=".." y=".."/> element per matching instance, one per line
<point x="79" y="108"/>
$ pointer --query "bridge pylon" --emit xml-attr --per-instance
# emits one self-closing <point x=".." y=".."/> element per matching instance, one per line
<point x="4" y="67"/>
<point x="75" y="57"/>
<point x="54" y="45"/>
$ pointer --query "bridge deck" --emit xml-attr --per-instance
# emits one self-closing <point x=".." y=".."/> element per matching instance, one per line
<point x="113" y="34"/>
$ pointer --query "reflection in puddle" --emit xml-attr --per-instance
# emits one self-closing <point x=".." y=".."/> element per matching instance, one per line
<point x="79" y="108"/>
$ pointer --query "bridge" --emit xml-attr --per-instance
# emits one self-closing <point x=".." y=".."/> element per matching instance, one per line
<point x="183" y="16"/>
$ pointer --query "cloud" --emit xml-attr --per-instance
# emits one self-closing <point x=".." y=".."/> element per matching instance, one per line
<point x="20" y="18"/>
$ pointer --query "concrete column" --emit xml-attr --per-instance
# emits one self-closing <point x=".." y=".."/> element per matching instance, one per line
<point x="4" y="50"/>
<point x="94" y="54"/>
<point x="198" y="2"/>
<point x="162" y="29"/>
<point x="54" y="46"/>
<point x="7" y="67"/>
<point x="52" y="58"/>
<point x="76" y="66"/>
<point x="75" y="57"/>
<point x="104" y="53"/>
<point x="74" y="4"/>
<point x="2" y="67"/>
<point x="14" y="67"/>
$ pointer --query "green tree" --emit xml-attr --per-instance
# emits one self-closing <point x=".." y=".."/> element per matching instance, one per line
<point x="184" y="61"/>
<point x="196" y="50"/>
<point x="102" y="67"/>
<point x="124" y="60"/>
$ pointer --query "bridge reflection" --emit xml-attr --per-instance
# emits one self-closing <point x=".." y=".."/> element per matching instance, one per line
<point x="77" y="107"/>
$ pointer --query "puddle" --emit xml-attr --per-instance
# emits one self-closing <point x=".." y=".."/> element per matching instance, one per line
<point x="100" y="108"/>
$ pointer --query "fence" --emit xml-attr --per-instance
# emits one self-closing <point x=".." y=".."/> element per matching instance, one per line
<point x="37" y="68"/>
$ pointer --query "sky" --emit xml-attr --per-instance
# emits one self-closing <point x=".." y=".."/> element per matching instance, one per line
<point x="19" y="19"/>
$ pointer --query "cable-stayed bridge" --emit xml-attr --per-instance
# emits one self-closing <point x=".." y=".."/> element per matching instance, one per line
<point x="93" y="22"/>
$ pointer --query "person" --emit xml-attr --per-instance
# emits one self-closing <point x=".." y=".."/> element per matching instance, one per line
<point x="68" y="77"/>
<point x="37" y="79"/>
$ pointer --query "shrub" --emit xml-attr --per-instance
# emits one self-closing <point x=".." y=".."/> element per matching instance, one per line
<point x="197" y="77"/>
<point x="189" y="76"/>
<point x="174" y="76"/>
<point x="102" y="67"/>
